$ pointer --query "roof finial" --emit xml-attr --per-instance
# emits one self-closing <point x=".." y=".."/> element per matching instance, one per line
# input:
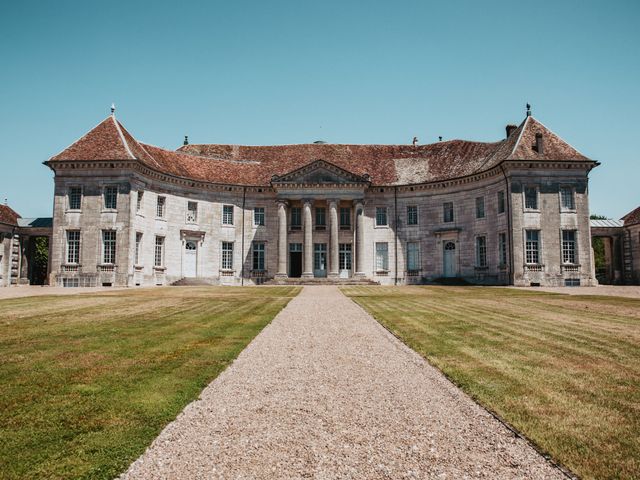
<point x="528" y="110"/>
<point x="113" y="109"/>
<point x="415" y="141"/>
<point x="186" y="140"/>
<point x="440" y="138"/>
<point x="6" y="201"/>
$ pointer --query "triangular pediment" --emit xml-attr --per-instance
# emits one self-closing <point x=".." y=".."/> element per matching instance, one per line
<point x="319" y="172"/>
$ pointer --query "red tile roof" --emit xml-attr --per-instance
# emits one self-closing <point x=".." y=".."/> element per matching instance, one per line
<point x="385" y="164"/>
<point x="8" y="215"/>
<point x="632" y="218"/>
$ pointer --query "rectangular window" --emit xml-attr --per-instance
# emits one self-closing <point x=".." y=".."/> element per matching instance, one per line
<point x="567" y="198"/>
<point x="227" y="255"/>
<point x="412" y="215"/>
<point x="321" y="218"/>
<point x="481" y="252"/>
<point x="258" y="256"/>
<point x="227" y="214"/>
<point x="158" y="257"/>
<point x="382" y="256"/>
<point x="345" y="218"/>
<point x="502" y="248"/>
<point x="139" y="201"/>
<point x="381" y="216"/>
<point x="160" y="207"/>
<point x="258" y="216"/>
<point x="530" y="198"/>
<point x="447" y="212"/>
<point x="532" y="246"/>
<point x="413" y="256"/>
<point x="192" y="212"/>
<point x="569" y="246"/>
<point x="75" y="198"/>
<point x="296" y="218"/>
<point x="73" y="246"/>
<point x="501" y="206"/>
<point x="479" y="207"/>
<point x="138" y="245"/>
<point x="344" y="256"/>
<point x="111" y="197"/>
<point x="109" y="246"/>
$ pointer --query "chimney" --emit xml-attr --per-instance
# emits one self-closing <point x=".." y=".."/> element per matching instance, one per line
<point x="510" y="128"/>
<point x="186" y="140"/>
<point x="539" y="147"/>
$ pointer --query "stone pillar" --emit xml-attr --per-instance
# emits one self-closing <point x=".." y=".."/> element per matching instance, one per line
<point x="307" y="267"/>
<point x="334" y="269"/>
<point x="359" y="211"/>
<point x="282" y="239"/>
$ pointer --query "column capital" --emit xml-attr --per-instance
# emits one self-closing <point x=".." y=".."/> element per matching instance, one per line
<point x="333" y="201"/>
<point x="308" y="201"/>
<point x="282" y="201"/>
<point x="360" y="202"/>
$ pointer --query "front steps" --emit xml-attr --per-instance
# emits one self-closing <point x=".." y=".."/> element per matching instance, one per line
<point x="321" y="281"/>
<point x="191" y="282"/>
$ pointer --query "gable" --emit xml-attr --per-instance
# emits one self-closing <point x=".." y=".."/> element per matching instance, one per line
<point x="319" y="172"/>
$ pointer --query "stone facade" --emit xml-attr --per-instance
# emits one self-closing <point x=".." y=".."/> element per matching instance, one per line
<point x="454" y="209"/>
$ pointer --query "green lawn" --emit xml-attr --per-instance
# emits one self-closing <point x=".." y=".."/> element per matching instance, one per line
<point x="88" y="381"/>
<point x="563" y="370"/>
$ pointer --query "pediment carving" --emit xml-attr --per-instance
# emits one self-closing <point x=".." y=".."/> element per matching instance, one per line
<point x="320" y="172"/>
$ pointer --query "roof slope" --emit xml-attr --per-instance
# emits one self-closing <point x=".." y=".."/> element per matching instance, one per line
<point x="8" y="215"/>
<point x="632" y="218"/>
<point x="385" y="164"/>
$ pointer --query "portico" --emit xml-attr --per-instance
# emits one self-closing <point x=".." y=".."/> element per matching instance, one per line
<point x="307" y="198"/>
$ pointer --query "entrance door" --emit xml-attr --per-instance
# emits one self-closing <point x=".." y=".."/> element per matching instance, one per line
<point x="190" y="259"/>
<point x="320" y="260"/>
<point x="449" y="260"/>
<point x="344" y="260"/>
<point x="295" y="260"/>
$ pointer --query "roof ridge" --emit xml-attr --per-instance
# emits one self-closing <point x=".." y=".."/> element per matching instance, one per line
<point x="523" y="124"/>
<point x="124" y="141"/>
<point x="80" y="138"/>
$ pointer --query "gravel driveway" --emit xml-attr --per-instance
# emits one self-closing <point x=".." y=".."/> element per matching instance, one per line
<point x="326" y="392"/>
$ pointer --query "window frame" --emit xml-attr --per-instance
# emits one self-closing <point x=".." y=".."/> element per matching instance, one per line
<point x="138" y="245"/>
<point x="191" y="211"/>
<point x="537" y="198"/>
<point x="69" y="197"/>
<point x="227" y="210"/>
<point x="572" y="191"/>
<point x="161" y="206"/>
<point x="262" y="213"/>
<point x="323" y="216"/>
<point x="412" y="215"/>
<point x="480" y="208"/>
<point x="139" y="201"/>
<point x="382" y="263"/>
<point x="68" y="261"/>
<point x="481" y="251"/>
<point x="538" y="250"/>
<point x="345" y="212"/>
<point x="418" y="264"/>
<point x="226" y="256"/>
<point x="385" y="212"/>
<point x="502" y="204"/>
<point x="104" y="247"/>
<point x="298" y="216"/>
<point x="159" y="251"/>
<point x="259" y="254"/>
<point x="565" y="251"/>
<point x="447" y="207"/>
<point x="502" y="249"/>
<point x="108" y="188"/>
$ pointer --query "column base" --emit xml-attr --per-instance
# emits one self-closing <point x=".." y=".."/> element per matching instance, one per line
<point x="359" y="274"/>
<point x="281" y="275"/>
<point x="334" y="275"/>
<point x="307" y="274"/>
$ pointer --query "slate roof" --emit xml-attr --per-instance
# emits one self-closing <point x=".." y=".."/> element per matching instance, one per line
<point x="8" y="215"/>
<point x="632" y="218"/>
<point x="605" y="223"/>
<point x="385" y="164"/>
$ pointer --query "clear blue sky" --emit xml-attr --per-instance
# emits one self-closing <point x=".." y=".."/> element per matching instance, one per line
<point x="258" y="72"/>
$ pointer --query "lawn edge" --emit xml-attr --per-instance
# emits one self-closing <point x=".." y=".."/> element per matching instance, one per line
<point x="198" y="398"/>
<point x="543" y="453"/>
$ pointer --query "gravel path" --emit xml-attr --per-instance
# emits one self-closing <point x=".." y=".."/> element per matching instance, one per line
<point x="326" y="392"/>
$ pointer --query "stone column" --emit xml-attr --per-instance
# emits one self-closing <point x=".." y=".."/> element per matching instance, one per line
<point x="359" y="237"/>
<point x="307" y="267"/>
<point x="334" y="269"/>
<point x="282" y="239"/>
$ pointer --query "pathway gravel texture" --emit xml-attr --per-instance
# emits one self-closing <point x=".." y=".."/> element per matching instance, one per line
<point x="326" y="392"/>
